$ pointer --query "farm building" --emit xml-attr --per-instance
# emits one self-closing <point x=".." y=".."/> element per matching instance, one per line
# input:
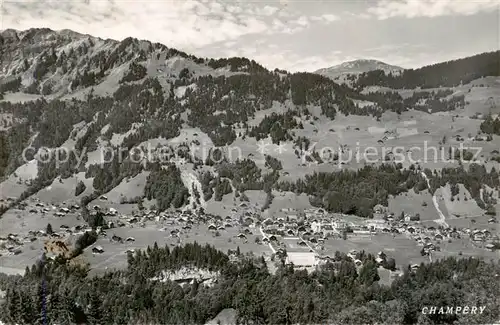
<point x="301" y="259"/>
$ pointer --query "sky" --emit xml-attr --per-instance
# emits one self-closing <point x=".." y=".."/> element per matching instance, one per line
<point x="293" y="35"/>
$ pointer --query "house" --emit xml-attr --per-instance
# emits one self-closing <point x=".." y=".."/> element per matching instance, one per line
<point x="130" y="239"/>
<point x="97" y="250"/>
<point x="117" y="239"/>
<point x="302" y="243"/>
<point x="490" y="247"/>
<point x="241" y="235"/>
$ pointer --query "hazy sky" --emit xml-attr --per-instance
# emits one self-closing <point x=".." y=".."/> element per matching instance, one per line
<point x="287" y="34"/>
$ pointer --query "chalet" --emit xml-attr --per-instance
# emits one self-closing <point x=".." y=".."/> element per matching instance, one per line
<point x="97" y="250"/>
<point x="130" y="239"/>
<point x="64" y="210"/>
<point x="212" y="227"/>
<point x="273" y="238"/>
<point x="290" y="232"/>
<point x="352" y="253"/>
<point x="247" y="231"/>
<point x="486" y="232"/>
<point x="133" y="220"/>
<point x="478" y="237"/>
<point x="490" y="247"/>
<point x="265" y="240"/>
<point x="117" y="239"/>
<point x="241" y="235"/>
<point x="33" y="210"/>
<point x="268" y="222"/>
<point x="248" y="221"/>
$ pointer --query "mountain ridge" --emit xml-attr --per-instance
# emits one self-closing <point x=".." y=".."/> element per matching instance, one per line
<point x="356" y="67"/>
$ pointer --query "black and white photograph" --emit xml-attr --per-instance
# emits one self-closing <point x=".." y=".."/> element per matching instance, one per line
<point x="232" y="162"/>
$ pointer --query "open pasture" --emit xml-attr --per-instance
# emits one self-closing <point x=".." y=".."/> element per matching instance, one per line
<point x="404" y="250"/>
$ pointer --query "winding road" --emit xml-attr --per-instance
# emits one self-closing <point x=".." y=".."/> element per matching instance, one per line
<point x="442" y="218"/>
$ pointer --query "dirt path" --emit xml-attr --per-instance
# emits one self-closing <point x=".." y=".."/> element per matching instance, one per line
<point x="442" y="218"/>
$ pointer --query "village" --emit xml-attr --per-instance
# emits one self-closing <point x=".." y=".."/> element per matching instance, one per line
<point x="305" y="239"/>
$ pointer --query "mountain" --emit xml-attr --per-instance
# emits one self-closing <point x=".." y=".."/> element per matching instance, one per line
<point x="357" y="67"/>
<point x="444" y="74"/>
<point x="83" y="93"/>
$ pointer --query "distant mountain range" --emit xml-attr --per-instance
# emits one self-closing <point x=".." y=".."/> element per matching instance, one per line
<point x="357" y="67"/>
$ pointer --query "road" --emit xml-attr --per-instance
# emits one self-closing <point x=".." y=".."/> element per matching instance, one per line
<point x="264" y="235"/>
<point x="442" y="218"/>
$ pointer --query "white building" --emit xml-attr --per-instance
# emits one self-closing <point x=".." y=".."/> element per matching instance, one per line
<point x="301" y="259"/>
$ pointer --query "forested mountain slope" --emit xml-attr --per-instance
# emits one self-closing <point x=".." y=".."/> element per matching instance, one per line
<point x="82" y="93"/>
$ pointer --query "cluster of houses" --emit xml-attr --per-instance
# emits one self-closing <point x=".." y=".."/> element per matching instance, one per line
<point x="311" y="227"/>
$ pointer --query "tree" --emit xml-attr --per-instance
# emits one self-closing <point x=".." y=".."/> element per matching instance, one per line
<point x="80" y="188"/>
<point x="368" y="273"/>
<point x="49" y="230"/>
<point x="390" y="264"/>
